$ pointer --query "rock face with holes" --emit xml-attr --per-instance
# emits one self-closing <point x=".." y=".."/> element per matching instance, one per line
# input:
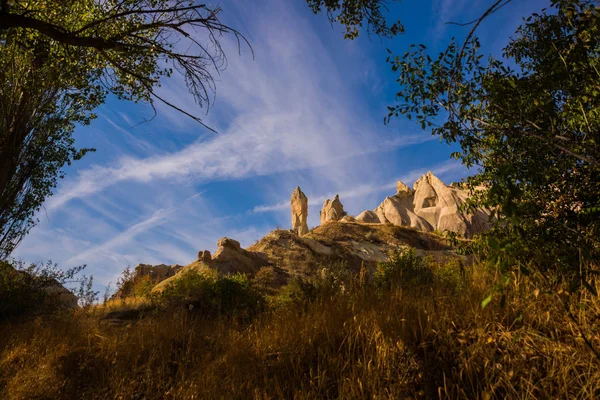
<point x="429" y="206"/>
<point x="440" y="206"/>
<point x="332" y="210"/>
<point x="299" y="205"/>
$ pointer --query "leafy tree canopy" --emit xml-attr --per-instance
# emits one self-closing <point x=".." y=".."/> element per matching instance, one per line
<point x="352" y="14"/>
<point x="529" y="123"/>
<point x="60" y="59"/>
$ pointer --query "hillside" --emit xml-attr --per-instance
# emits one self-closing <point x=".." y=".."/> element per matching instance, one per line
<point x="400" y="221"/>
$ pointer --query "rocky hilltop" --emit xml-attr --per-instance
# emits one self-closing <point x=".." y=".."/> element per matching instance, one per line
<point x="408" y="218"/>
<point x="287" y="254"/>
<point x="429" y="206"/>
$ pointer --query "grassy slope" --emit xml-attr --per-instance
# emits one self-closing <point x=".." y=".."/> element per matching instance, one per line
<point x="403" y="342"/>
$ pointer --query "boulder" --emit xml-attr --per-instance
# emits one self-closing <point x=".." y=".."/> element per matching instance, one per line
<point x="299" y="205"/>
<point x="332" y="210"/>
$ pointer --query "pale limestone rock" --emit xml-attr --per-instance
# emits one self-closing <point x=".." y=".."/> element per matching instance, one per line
<point x="332" y="210"/>
<point x="431" y="205"/>
<point x="299" y="205"/>
<point x="398" y="210"/>
<point x="231" y="258"/>
<point x="368" y="217"/>
<point x="402" y="188"/>
<point x="440" y="205"/>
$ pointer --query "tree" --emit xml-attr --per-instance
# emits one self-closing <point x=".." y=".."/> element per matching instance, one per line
<point x="352" y="14"/>
<point x="531" y="131"/>
<point x="60" y="59"/>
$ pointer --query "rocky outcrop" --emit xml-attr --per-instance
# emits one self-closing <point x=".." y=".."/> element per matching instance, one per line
<point x="332" y="210"/>
<point x="352" y="244"/>
<point x="231" y="258"/>
<point x="398" y="210"/>
<point x="429" y="206"/>
<point x="61" y="295"/>
<point x="440" y="205"/>
<point x="156" y="273"/>
<point x="299" y="205"/>
<point x="153" y="273"/>
<point x="401" y="187"/>
<point x="368" y="217"/>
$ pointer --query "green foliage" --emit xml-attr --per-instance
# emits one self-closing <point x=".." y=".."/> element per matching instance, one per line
<point x="143" y="287"/>
<point x="296" y="293"/>
<point x="452" y="276"/>
<point x="328" y="281"/>
<point x="31" y="290"/>
<point x="403" y="268"/>
<point x="212" y="294"/>
<point x="352" y="14"/>
<point x="58" y="62"/>
<point x="532" y="130"/>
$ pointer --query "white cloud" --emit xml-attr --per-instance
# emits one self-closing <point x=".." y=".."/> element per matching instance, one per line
<point x="288" y="117"/>
<point x="159" y="217"/>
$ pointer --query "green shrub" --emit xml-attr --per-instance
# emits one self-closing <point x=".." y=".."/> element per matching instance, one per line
<point x="327" y="282"/>
<point x="18" y="294"/>
<point x="451" y="275"/>
<point x="297" y="292"/>
<point x="37" y="288"/>
<point x="403" y="268"/>
<point x="212" y="294"/>
<point x="143" y="287"/>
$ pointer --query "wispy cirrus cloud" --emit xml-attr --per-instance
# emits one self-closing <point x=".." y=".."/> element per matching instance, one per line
<point x="290" y="116"/>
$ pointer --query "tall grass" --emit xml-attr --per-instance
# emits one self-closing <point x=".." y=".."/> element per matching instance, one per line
<point x="337" y="336"/>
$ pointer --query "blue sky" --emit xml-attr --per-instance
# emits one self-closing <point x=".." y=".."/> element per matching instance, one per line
<point x="308" y="111"/>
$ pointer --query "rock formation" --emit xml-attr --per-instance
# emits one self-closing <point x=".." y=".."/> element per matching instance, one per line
<point x="231" y="258"/>
<point x="156" y="273"/>
<point x="63" y="296"/>
<point x="430" y="205"/>
<point x="299" y="204"/>
<point x="332" y="210"/>
<point x="368" y="217"/>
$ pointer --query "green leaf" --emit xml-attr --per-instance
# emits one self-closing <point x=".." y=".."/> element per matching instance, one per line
<point x="486" y="301"/>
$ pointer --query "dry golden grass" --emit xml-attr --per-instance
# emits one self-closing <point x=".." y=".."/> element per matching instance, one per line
<point x="427" y="342"/>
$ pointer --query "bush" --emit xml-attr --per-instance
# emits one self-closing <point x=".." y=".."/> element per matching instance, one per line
<point x="37" y="289"/>
<point x="143" y="287"/>
<point x="403" y="268"/>
<point x="297" y="292"/>
<point x="212" y="294"/>
<point x="451" y="275"/>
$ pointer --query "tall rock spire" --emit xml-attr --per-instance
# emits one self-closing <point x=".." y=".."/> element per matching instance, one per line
<point x="299" y="205"/>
